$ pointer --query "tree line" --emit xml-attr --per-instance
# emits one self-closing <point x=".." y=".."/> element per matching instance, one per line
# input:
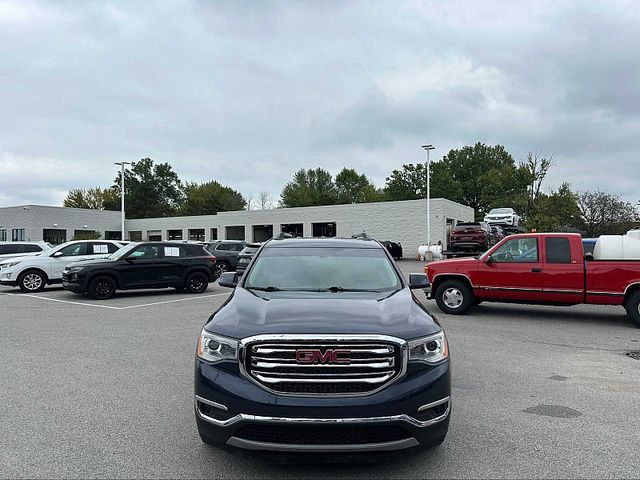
<point x="480" y="176"/>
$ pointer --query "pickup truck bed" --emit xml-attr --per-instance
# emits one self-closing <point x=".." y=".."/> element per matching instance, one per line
<point x="538" y="269"/>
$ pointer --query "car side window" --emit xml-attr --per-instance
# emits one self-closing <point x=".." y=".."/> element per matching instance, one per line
<point x="558" y="250"/>
<point x="223" y="246"/>
<point x="235" y="247"/>
<point x="74" y="250"/>
<point x="517" y="250"/>
<point x="113" y="248"/>
<point x="31" y="248"/>
<point x="145" y="251"/>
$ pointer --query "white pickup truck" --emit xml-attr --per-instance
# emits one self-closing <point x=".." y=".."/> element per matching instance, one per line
<point x="33" y="273"/>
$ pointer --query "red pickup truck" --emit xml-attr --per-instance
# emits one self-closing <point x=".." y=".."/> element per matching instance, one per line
<point x="536" y="268"/>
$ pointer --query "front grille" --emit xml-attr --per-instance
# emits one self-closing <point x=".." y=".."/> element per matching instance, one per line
<point x="308" y="367"/>
<point x="322" y="434"/>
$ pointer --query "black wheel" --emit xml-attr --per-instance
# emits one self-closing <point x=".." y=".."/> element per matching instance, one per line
<point x="32" y="281"/>
<point x="454" y="297"/>
<point x="633" y="307"/>
<point x="221" y="267"/>
<point x="197" y="282"/>
<point x="102" y="288"/>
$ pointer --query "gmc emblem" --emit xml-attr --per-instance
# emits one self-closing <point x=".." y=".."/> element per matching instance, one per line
<point x="330" y="356"/>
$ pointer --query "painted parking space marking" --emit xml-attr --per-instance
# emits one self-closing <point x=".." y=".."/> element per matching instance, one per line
<point x="111" y="307"/>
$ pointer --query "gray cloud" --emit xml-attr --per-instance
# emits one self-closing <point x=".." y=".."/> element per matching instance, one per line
<point x="247" y="92"/>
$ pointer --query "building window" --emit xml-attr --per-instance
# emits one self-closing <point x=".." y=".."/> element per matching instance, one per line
<point x="235" y="233"/>
<point x="324" y="229"/>
<point x="214" y="234"/>
<point x="135" y="236"/>
<point x="3" y="235"/>
<point x="262" y="233"/>
<point x="295" y="229"/>
<point x="154" y="235"/>
<point x="86" y="235"/>
<point x="17" y="235"/>
<point x="112" y="235"/>
<point x="54" y="236"/>
<point x="174" y="234"/>
<point x="196" y="234"/>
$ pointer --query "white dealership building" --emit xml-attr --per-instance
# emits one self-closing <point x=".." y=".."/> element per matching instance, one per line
<point x="404" y="222"/>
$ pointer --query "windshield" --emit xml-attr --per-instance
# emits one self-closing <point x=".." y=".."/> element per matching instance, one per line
<point x="118" y="254"/>
<point x="501" y="210"/>
<point x="323" y="269"/>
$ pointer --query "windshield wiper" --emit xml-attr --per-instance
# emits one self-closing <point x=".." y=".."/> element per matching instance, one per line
<point x="336" y="289"/>
<point x="265" y="289"/>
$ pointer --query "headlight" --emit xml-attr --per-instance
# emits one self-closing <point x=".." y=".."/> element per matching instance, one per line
<point x="214" y="348"/>
<point x="431" y="349"/>
<point x="12" y="264"/>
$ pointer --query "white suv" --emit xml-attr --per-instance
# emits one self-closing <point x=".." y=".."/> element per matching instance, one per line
<point x="20" y="249"/>
<point x="32" y="273"/>
<point x="502" y="216"/>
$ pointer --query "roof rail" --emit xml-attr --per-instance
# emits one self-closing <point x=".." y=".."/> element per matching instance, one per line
<point x="361" y="236"/>
<point x="282" y="236"/>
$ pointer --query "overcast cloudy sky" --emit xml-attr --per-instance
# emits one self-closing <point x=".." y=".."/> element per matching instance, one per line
<point x="248" y="92"/>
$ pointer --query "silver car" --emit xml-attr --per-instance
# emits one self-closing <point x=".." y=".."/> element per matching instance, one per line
<point x="502" y="216"/>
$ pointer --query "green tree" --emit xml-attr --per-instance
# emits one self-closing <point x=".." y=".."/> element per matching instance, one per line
<point x="555" y="212"/>
<point x="486" y="175"/>
<point x="352" y="187"/>
<point x="210" y="198"/>
<point x="605" y="213"/>
<point x="151" y="190"/>
<point x="94" y="198"/>
<point x="87" y="235"/>
<point x="309" y="187"/>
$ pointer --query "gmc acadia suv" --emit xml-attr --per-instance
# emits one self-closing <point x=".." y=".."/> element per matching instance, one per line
<point x="322" y="347"/>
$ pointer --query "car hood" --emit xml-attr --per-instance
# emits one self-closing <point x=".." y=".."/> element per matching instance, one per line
<point x="251" y="313"/>
<point x="452" y="265"/>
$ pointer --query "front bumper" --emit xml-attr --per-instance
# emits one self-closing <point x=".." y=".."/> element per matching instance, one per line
<point x="412" y="412"/>
<point x="8" y="283"/>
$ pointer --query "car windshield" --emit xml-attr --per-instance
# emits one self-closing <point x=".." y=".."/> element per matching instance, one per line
<point x="323" y="269"/>
<point x="501" y="211"/>
<point x="118" y="254"/>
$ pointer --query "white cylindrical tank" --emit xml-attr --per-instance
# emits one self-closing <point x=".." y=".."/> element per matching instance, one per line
<point x="436" y="252"/>
<point x="618" y="247"/>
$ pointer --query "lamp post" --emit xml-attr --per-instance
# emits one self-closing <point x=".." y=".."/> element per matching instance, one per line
<point x="122" y="170"/>
<point x="429" y="255"/>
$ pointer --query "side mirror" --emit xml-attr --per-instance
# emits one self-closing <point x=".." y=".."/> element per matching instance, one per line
<point x="129" y="259"/>
<point x="57" y="254"/>
<point x="418" y="280"/>
<point x="228" y="279"/>
<point x="489" y="259"/>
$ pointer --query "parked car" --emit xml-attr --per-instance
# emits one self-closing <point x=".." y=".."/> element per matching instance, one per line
<point x="322" y="347"/>
<point x="33" y="273"/>
<point x="226" y="253"/>
<point x="503" y="216"/>
<point x="143" y="265"/>
<point x="470" y="236"/>
<point x="245" y="256"/>
<point x="21" y="249"/>
<point x="394" y="249"/>
<point x="497" y="234"/>
<point x="547" y="268"/>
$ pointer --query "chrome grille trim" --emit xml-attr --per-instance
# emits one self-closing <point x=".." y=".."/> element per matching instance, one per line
<point x="384" y="361"/>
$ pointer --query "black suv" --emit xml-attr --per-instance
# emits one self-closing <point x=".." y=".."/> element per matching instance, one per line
<point x="226" y="253"/>
<point x="322" y="347"/>
<point x="143" y="265"/>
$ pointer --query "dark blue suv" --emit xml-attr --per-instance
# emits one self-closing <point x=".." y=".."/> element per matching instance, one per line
<point x="322" y="347"/>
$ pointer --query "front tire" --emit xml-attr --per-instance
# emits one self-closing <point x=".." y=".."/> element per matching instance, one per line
<point x="102" y="288"/>
<point x="454" y="297"/>
<point x="32" y="281"/>
<point x="633" y="307"/>
<point x="197" y="282"/>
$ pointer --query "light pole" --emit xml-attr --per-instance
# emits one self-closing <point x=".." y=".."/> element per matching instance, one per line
<point x="428" y="165"/>
<point x="122" y="170"/>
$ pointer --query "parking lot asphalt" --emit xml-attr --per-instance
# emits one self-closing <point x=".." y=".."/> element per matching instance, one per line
<point x="105" y="389"/>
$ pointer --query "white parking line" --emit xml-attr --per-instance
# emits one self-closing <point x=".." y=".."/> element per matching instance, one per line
<point x="110" y="306"/>
<point x="173" y="301"/>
